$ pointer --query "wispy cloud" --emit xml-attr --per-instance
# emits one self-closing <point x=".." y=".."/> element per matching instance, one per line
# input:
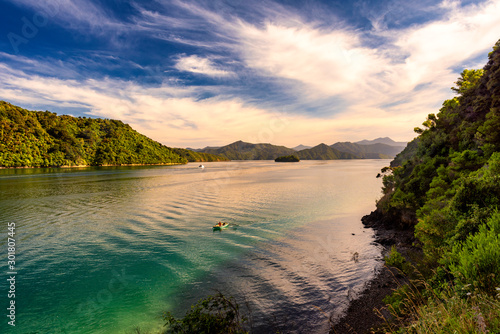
<point x="200" y="65"/>
<point x="80" y="15"/>
<point x="327" y="62"/>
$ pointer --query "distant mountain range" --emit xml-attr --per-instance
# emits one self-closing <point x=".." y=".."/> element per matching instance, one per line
<point x="385" y="140"/>
<point x="301" y="147"/>
<point x="324" y="152"/>
<point x="369" y="151"/>
<point x="245" y="151"/>
<point x="380" y="148"/>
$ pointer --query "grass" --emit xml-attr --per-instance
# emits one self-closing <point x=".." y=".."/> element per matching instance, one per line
<point x="420" y="308"/>
<point x="454" y="314"/>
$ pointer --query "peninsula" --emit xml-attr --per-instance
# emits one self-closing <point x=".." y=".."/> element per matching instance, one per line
<point x="44" y="139"/>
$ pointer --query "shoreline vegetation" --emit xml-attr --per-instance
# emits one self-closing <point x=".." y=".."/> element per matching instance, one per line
<point x="439" y="222"/>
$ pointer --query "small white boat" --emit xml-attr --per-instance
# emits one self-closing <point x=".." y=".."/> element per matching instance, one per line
<point x="201" y="166"/>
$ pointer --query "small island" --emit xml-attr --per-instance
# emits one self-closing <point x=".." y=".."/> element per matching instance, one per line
<point x="287" y="158"/>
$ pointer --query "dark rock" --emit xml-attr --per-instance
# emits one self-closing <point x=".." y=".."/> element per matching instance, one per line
<point x="363" y="314"/>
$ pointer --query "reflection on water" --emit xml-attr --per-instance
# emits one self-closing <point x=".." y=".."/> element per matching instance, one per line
<point x="103" y="250"/>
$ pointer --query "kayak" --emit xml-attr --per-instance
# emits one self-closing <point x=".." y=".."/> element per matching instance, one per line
<point x="218" y="228"/>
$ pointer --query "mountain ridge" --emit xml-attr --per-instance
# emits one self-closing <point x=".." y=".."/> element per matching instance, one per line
<point x="381" y="140"/>
<point x="369" y="151"/>
<point x="240" y="150"/>
<point x="324" y="152"/>
<point x="301" y="147"/>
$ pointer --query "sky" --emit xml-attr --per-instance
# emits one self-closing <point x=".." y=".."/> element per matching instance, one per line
<point x="207" y="73"/>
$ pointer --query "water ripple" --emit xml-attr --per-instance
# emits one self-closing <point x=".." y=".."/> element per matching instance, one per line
<point x="118" y="246"/>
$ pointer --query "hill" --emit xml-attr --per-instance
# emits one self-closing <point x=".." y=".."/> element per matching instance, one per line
<point x="445" y="187"/>
<point x="42" y="139"/>
<point x="202" y="149"/>
<point x="324" y="152"/>
<point x="409" y="151"/>
<point x="369" y="151"/>
<point x="194" y="156"/>
<point x="246" y="151"/>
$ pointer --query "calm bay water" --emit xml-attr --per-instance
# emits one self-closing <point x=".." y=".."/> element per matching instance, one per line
<point x="105" y="250"/>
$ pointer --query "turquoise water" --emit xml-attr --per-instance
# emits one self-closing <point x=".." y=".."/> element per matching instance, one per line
<point x="106" y="250"/>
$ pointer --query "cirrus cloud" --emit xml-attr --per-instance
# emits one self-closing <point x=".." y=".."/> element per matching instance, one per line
<point x="199" y="65"/>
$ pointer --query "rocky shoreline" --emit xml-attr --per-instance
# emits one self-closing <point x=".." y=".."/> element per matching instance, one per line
<point x="367" y="313"/>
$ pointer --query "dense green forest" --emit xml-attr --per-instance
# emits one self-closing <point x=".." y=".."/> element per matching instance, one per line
<point x="324" y="152"/>
<point x="446" y="186"/>
<point x="41" y="139"/>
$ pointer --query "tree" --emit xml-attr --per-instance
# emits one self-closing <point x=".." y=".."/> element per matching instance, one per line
<point x="468" y="79"/>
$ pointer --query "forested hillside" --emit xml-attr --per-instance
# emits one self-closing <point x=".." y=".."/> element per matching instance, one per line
<point x="369" y="151"/>
<point x="246" y="151"/>
<point x="446" y="186"/>
<point x="40" y="139"/>
<point x="193" y="156"/>
<point x="324" y="152"/>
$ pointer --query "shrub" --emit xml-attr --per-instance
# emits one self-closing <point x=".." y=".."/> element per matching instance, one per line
<point x="477" y="260"/>
<point x="396" y="260"/>
<point x="212" y="315"/>
<point x="287" y="158"/>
